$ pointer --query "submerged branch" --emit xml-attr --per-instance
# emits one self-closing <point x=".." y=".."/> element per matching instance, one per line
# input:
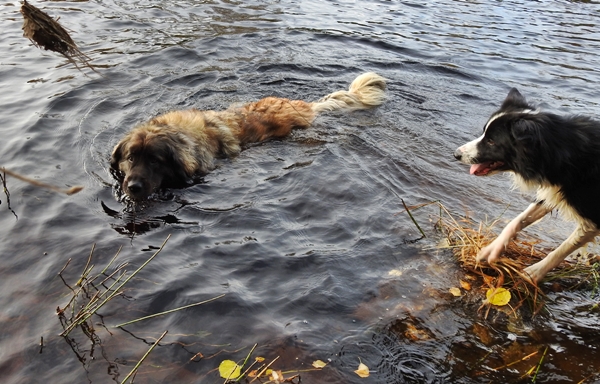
<point x="68" y="191"/>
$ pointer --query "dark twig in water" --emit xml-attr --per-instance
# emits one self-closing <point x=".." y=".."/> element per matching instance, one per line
<point x="6" y="192"/>
<point x="45" y="32"/>
<point x="413" y="220"/>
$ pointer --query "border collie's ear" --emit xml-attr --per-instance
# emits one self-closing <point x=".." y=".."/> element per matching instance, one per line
<point x="527" y="131"/>
<point x="514" y="99"/>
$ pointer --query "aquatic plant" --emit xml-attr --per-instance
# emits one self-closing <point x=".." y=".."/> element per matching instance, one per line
<point x="465" y="238"/>
<point x="260" y="370"/>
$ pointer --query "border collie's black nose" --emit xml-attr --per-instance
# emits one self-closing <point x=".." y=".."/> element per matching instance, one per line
<point x="458" y="154"/>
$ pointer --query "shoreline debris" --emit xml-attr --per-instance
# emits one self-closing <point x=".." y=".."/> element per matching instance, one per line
<point x="45" y="32"/>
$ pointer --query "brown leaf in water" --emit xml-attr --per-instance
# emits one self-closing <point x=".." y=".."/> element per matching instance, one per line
<point x="465" y="285"/>
<point x="482" y="333"/>
<point x="415" y="334"/>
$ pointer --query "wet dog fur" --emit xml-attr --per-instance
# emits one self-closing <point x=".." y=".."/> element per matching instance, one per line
<point x="557" y="156"/>
<point x="170" y="150"/>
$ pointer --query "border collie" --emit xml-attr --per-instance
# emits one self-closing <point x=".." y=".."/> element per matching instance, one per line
<point x="557" y="155"/>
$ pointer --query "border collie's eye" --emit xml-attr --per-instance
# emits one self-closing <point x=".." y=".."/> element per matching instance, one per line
<point x="489" y="142"/>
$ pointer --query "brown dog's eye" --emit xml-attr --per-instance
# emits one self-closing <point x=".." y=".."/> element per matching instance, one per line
<point x="130" y="158"/>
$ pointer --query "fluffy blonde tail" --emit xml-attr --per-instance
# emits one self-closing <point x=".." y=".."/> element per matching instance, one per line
<point x="366" y="91"/>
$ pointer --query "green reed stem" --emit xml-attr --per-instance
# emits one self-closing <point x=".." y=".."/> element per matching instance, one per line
<point x="169" y="311"/>
<point x="143" y="358"/>
<point x="412" y="218"/>
<point x="539" y="366"/>
<point x="114" y="293"/>
<point x="245" y="361"/>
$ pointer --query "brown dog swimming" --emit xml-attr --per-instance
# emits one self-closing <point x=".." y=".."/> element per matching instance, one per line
<point x="169" y="150"/>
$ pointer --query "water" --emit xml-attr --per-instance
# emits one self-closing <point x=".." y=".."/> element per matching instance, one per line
<point x="300" y="234"/>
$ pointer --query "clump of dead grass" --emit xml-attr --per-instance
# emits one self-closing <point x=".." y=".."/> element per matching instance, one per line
<point x="47" y="33"/>
<point x="465" y="238"/>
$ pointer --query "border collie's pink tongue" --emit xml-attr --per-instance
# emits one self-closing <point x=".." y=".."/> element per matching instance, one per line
<point x="480" y="169"/>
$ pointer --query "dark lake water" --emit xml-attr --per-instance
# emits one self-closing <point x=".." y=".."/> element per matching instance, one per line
<point x="303" y="235"/>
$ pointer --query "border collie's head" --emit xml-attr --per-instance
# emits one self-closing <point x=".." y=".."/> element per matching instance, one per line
<point x="506" y="138"/>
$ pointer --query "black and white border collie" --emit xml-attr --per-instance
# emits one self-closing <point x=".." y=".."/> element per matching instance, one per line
<point x="559" y="156"/>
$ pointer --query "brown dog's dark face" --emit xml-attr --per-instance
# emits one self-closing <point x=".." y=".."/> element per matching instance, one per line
<point x="146" y="161"/>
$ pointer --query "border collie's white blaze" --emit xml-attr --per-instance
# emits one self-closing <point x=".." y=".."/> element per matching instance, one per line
<point x="558" y="156"/>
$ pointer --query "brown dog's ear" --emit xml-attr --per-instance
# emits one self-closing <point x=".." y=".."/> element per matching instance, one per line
<point x="116" y="156"/>
<point x="182" y="157"/>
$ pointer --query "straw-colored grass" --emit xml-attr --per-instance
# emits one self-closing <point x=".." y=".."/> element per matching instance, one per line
<point x="465" y="238"/>
<point x="84" y="304"/>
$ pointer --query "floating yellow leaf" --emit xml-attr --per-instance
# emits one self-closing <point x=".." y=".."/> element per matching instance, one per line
<point x="319" y="364"/>
<point x="465" y="285"/>
<point x="362" y="371"/>
<point x="259" y="359"/>
<point x="395" y="272"/>
<point x="455" y="291"/>
<point x="276" y="376"/>
<point x="228" y="369"/>
<point x="498" y="296"/>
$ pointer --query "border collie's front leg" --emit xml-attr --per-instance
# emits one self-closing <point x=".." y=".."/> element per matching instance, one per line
<point x="582" y="235"/>
<point x="492" y="251"/>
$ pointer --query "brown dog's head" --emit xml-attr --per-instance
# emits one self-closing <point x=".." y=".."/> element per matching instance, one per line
<point x="150" y="158"/>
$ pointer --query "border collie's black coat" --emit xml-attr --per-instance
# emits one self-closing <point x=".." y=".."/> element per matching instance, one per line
<point x="559" y="156"/>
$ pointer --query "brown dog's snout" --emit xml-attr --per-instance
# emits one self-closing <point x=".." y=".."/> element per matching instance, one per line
<point x="134" y="187"/>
